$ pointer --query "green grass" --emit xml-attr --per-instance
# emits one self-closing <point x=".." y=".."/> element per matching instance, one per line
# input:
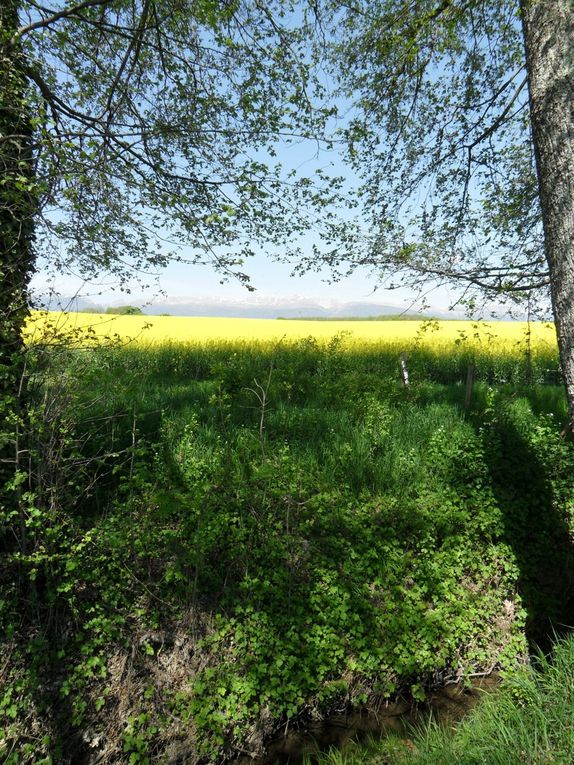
<point x="317" y="532"/>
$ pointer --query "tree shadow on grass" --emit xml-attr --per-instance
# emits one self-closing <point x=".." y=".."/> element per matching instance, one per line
<point x="531" y="474"/>
<point x="530" y="469"/>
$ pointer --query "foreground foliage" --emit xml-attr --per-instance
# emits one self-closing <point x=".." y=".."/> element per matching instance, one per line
<point x="218" y="541"/>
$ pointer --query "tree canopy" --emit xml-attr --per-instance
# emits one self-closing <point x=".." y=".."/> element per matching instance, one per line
<point x="440" y="137"/>
<point x="154" y="124"/>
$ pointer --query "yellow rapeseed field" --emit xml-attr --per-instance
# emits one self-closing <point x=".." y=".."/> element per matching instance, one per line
<point x="151" y="330"/>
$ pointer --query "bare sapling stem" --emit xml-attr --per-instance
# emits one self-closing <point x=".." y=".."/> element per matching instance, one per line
<point x="261" y="392"/>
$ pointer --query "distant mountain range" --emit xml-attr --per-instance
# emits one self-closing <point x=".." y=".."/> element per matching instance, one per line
<point x="251" y="308"/>
<point x="281" y="309"/>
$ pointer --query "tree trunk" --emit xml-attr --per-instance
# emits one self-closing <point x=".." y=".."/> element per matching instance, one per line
<point x="17" y="198"/>
<point x="548" y="27"/>
<point x="17" y="210"/>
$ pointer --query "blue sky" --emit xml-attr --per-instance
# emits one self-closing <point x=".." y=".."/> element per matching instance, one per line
<point x="271" y="279"/>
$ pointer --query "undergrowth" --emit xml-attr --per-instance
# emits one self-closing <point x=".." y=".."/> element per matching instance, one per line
<point x="213" y="543"/>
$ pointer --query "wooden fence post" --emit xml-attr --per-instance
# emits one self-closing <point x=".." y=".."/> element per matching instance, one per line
<point x="404" y="370"/>
<point x="469" y="384"/>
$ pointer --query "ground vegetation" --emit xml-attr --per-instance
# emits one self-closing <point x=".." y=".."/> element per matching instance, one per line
<point x="227" y="540"/>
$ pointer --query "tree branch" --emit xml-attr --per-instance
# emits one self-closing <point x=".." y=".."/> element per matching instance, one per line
<point x="63" y="14"/>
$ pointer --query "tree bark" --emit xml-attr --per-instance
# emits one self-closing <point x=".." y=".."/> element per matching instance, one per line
<point x="548" y="27"/>
<point x="17" y="210"/>
<point x="17" y="202"/>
